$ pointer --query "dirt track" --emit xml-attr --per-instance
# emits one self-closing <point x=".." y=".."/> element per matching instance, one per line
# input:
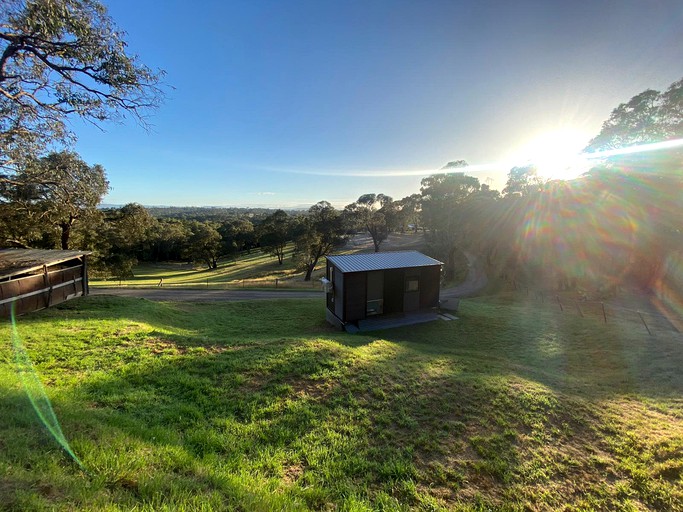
<point x="171" y="294"/>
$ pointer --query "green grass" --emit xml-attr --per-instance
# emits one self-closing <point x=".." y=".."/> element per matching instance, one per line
<point x="262" y="406"/>
<point x="256" y="269"/>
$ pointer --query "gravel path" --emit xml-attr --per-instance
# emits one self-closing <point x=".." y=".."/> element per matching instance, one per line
<point x="476" y="280"/>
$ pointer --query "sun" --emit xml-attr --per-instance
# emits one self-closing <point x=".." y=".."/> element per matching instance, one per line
<point x="556" y="154"/>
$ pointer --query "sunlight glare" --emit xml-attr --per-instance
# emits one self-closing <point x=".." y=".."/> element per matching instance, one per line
<point x="556" y="154"/>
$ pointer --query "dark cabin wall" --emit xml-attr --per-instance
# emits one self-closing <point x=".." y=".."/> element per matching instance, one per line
<point x="393" y="290"/>
<point x="338" y="281"/>
<point x="429" y="287"/>
<point x="355" y="285"/>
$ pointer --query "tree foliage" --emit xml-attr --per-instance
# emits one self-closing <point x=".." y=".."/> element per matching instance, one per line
<point x="69" y="191"/>
<point x="523" y="181"/>
<point x="372" y="213"/>
<point x="650" y="116"/>
<point x="61" y="59"/>
<point x="274" y="233"/>
<point x="320" y="232"/>
<point x="442" y="199"/>
<point x="203" y="244"/>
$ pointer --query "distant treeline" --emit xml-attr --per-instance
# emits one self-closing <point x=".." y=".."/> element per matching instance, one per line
<point x="617" y="225"/>
<point x="210" y="213"/>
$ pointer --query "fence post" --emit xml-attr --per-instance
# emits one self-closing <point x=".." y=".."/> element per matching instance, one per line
<point x="579" y="308"/>
<point x="604" y="313"/>
<point x="558" y="301"/>
<point x="643" y="320"/>
<point x="207" y="282"/>
<point x="276" y="280"/>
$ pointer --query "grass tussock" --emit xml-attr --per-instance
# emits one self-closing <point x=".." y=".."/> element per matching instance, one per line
<point x="262" y="406"/>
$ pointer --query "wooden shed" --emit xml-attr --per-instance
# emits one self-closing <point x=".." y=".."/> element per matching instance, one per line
<point x="360" y="286"/>
<point x="34" y="279"/>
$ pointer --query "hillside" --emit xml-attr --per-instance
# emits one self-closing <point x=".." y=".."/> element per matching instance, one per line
<point x="180" y="406"/>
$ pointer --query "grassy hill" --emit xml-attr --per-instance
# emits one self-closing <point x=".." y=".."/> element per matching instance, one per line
<point x="262" y="406"/>
<point x="254" y="269"/>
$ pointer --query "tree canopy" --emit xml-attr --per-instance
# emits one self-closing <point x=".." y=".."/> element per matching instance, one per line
<point x="650" y="116"/>
<point x="370" y="212"/>
<point x="61" y="59"/>
<point x="69" y="190"/>
<point x="321" y="231"/>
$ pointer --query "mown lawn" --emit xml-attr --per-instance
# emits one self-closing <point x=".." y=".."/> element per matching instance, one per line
<point x="261" y="406"/>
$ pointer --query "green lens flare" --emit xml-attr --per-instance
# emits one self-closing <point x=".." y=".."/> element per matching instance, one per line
<point x="36" y="392"/>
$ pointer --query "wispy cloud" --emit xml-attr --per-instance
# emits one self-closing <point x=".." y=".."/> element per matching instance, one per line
<point x="386" y="173"/>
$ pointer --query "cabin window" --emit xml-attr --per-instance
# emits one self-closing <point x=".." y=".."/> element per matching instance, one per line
<point x="412" y="284"/>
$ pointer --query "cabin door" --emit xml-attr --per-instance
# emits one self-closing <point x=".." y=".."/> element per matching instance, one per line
<point x="411" y="294"/>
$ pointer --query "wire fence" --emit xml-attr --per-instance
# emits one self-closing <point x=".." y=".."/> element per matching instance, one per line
<point x="648" y="318"/>
<point x="284" y="284"/>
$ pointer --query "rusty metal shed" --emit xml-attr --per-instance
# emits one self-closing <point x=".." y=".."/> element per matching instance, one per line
<point x="34" y="279"/>
<point x="362" y="286"/>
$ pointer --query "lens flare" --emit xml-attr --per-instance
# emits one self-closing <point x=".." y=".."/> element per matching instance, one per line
<point x="36" y="392"/>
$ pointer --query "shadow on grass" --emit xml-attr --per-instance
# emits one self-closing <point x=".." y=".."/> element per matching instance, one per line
<point x="570" y="354"/>
<point x="263" y="404"/>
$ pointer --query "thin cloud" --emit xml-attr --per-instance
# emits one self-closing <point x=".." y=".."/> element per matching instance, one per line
<point x="386" y="173"/>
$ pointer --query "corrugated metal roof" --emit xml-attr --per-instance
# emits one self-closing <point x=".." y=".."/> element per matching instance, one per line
<point x="381" y="261"/>
<point x="19" y="261"/>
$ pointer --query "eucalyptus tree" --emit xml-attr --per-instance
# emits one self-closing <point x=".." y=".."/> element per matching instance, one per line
<point x="60" y="60"/>
<point x="274" y="233"/>
<point x="319" y="232"/>
<point x="443" y="196"/>
<point x="372" y="213"/>
<point x="70" y="190"/>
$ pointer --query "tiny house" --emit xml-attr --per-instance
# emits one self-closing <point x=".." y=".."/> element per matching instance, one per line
<point x="362" y="286"/>
<point x="32" y="279"/>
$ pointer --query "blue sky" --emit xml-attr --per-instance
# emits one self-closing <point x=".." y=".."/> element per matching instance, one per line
<point x="286" y="103"/>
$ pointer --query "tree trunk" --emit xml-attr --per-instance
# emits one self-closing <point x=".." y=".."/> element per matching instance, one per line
<point x="309" y="271"/>
<point x="66" y="233"/>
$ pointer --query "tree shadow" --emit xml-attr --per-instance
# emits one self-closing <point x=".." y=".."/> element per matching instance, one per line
<point x="280" y="416"/>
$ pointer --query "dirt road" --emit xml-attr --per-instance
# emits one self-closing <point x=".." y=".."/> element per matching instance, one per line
<point x="170" y="294"/>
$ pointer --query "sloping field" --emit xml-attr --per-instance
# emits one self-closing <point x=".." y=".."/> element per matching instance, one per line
<point x="253" y="269"/>
<point x="256" y="269"/>
<point x="261" y="406"/>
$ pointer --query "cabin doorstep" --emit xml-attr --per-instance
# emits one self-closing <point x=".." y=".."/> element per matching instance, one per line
<point x="33" y="279"/>
<point x="363" y="287"/>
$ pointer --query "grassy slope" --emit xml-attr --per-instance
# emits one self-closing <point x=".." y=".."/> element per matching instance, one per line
<point x="255" y="267"/>
<point x="260" y="406"/>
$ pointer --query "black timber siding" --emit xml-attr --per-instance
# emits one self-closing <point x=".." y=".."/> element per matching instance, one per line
<point x="355" y="285"/>
<point x="393" y="290"/>
<point x="429" y="287"/>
